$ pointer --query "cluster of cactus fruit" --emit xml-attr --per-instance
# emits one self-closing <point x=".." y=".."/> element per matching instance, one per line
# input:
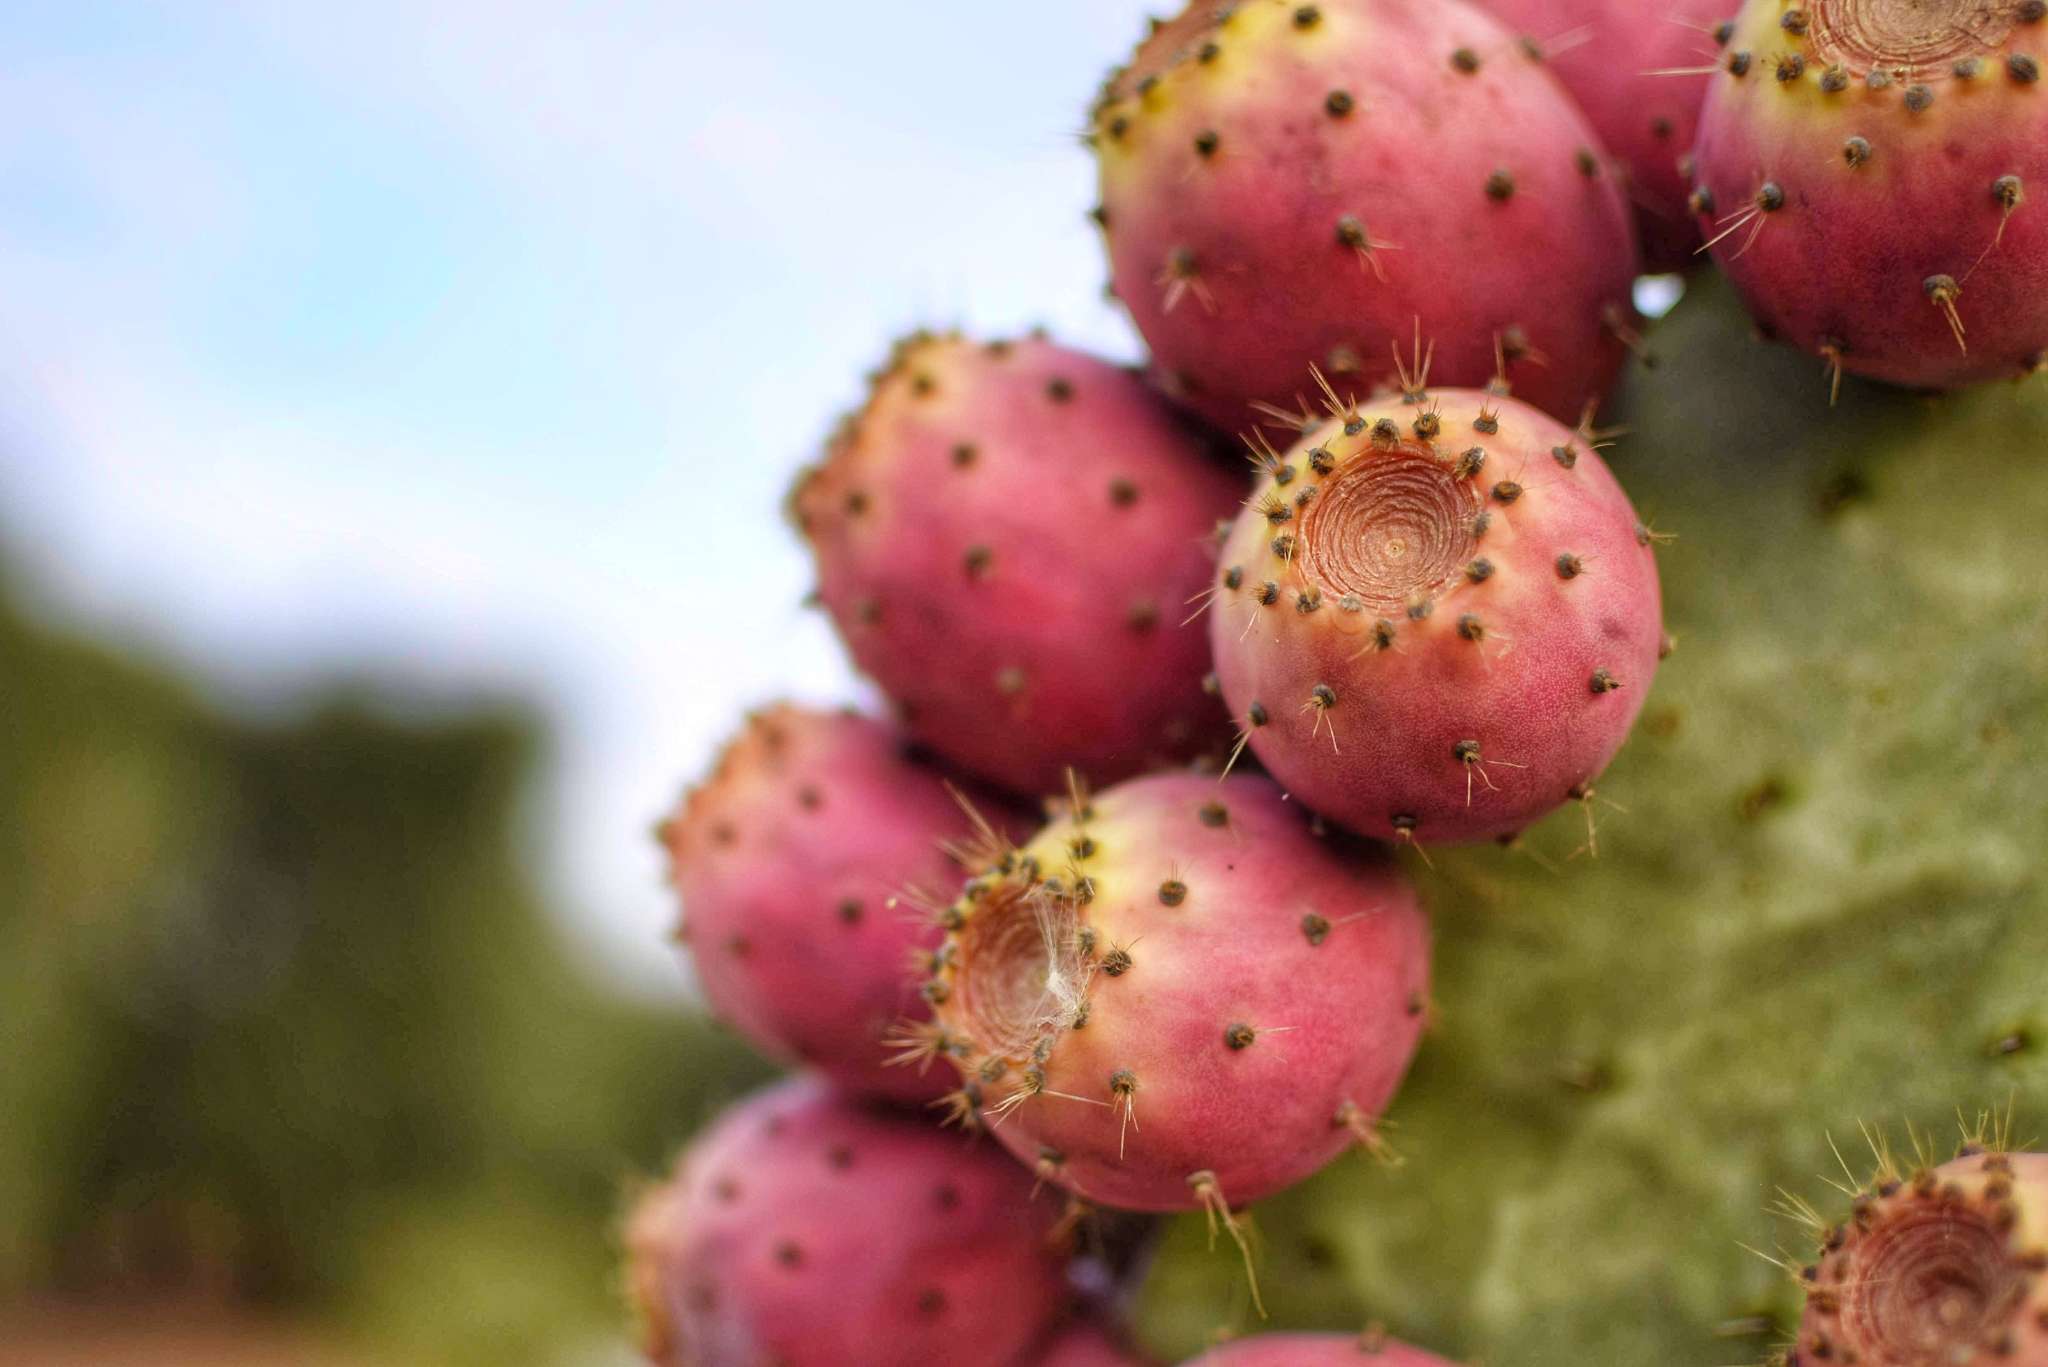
<point x="1388" y="247"/>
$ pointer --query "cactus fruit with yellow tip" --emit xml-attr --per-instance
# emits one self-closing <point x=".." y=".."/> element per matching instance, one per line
<point x="1438" y="616"/>
<point x="1178" y="996"/>
<point x="1869" y="174"/>
<point x="1006" y="537"/>
<point x="1286" y="185"/>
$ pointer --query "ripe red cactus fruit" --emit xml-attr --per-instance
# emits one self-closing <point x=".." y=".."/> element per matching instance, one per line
<point x="1946" y="1265"/>
<point x="1866" y="175"/>
<point x="1088" y="1345"/>
<point x="1370" y="1349"/>
<point x="805" y="1229"/>
<point x="1007" y="536"/>
<point x="1286" y="185"/>
<point x="788" y="859"/>
<point x="1639" y="73"/>
<point x="1177" y="997"/>
<point x="1438" y="616"/>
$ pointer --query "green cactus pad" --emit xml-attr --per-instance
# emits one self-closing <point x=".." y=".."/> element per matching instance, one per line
<point x="1824" y="905"/>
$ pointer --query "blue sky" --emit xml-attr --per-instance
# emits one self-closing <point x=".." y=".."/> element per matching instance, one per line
<point x="473" y="344"/>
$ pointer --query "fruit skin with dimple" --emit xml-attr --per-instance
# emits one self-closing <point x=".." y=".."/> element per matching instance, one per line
<point x="1948" y="1263"/>
<point x="1317" y="1350"/>
<point x="1007" y="536"/>
<point x="1438" y="617"/>
<point x="806" y="1230"/>
<point x="1909" y="245"/>
<point x="1277" y="194"/>
<point x="1182" y="981"/>
<point x="1635" y="71"/>
<point x="787" y="859"/>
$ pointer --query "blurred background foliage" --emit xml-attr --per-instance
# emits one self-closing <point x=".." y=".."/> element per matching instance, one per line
<point x="288" y="1034"/>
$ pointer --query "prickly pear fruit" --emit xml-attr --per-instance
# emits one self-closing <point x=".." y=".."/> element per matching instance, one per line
<point x="1946" y="1264"/>
<point x="1866" y="171"/>
<point x="1639" y="73"/>
<point x="1286" y="185"/>
<point x="805" y="1229"/>
<point x="1007" y="536"/>
<point x="1370" y="1349"/>
<point x="787" y="859"/>
<point x="1176" y="996"/>
<point x="1438" y="617"/>
<point x="1088" y="1345"/>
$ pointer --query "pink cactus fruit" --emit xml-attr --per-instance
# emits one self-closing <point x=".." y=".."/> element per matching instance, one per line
<point x="1370" y="1349"/>
<point x="1007" y="536"/>
<point x="1176" y="996"/>
<point x="1288" y="184"/>
<point x="1948" y="1264"/>
<point x="788" y="858"/>
<point x="1438" y="617"/>
<point x="1089" y="1345"/>
<point x="806" y="1230"/>
<point x="1639" y="73"/>
<point x="1866" y="172"/>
